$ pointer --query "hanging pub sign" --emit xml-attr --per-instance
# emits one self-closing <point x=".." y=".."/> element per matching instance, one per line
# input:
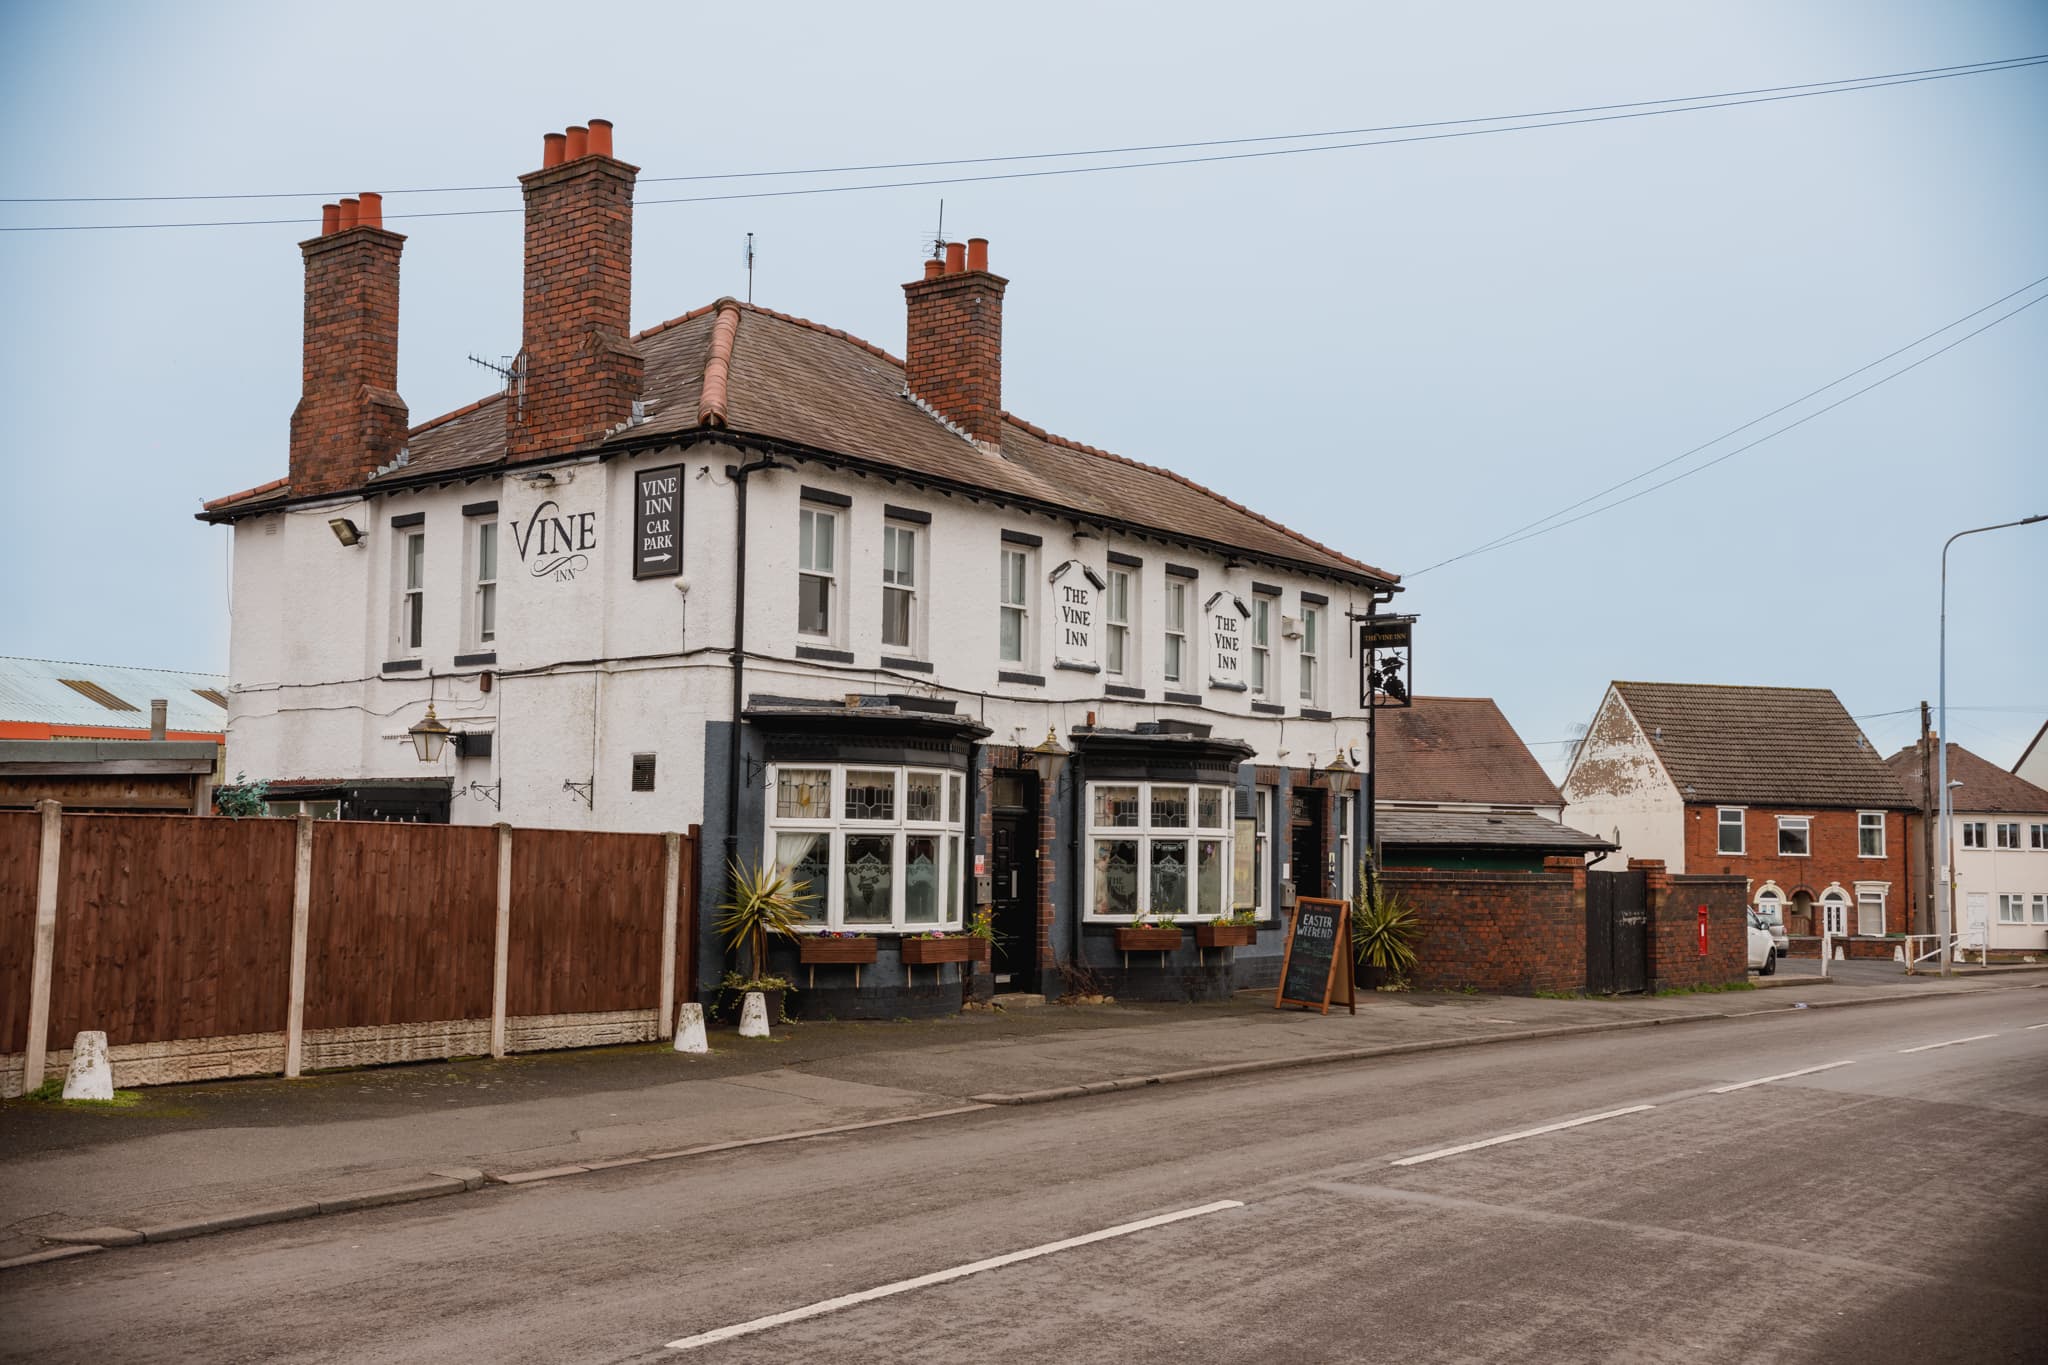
<point x="1317" y="967"/>
<point x="1385" y="661"/>
<point x="1074" y="586"/>
<point x="1226" y="614"/>
<point x="658" y="522"/>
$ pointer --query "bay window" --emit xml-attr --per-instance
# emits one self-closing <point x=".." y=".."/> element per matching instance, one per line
<point x="875" y="847"/>
<point x="1159" y="850"/>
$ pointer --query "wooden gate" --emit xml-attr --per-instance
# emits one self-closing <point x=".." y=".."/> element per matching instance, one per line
<point x="1617" y="933"/>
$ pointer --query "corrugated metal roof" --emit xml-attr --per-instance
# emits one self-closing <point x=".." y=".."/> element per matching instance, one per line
<point x="35" y="691"/>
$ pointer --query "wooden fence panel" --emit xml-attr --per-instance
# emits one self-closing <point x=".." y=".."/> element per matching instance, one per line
<point x="403" y="923"/>
<point x="21" y="843"/>
<point x="586" y="921"/>
<point x="171" y="926"/>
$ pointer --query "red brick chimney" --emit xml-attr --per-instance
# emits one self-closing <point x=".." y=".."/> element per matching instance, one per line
<point x="350" y="418"/>
<point x="953" y="359"/>
<point x="578" y="372"/>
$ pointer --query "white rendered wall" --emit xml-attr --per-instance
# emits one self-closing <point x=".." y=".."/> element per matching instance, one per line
<point x="1618" y="789"/>
<point x="1993" y="872"/>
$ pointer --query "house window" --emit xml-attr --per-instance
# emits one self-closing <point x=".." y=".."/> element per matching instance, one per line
<point x="1158" y="850"/>
<point x="1311" y="649"/>
<point x="1870" y="834"/>
<point x="1770" y="906"/>
<point x="817" y="571"/>
<point x="2037" y="836"/>
<point x="1973" y="833"/>
<point x="1116" y="619"/>
<point x="1176" y="631"/>
<point x="876" y="848"/>
<point x="1870" y="910"/>
<point x="1729" y="831"/>
<point x="2040" y="909"/>
<point x="1793" y="836"/>
<point x="1262" y="643"/>
<point x="412" y="594"/>
<point x="2012" y="909"/>
<point x="900" y="615"/>
<point x="2009" y="835"/>
<point x="1015" y="624"/>
<point x="483" y="598"/>
<point x="1834" y="906"/>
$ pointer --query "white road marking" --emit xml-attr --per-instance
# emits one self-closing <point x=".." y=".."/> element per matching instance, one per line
<point x="1442" y="1152"/>
<point x="2031" y="1027"/>
<point x="1929" y="1047"/>
<point x="740" y="1329"/>
<point x="1781" y="1076"/>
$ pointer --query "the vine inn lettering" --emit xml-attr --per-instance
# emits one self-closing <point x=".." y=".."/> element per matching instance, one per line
<point x="658" y="522"/>
<point x="1074" y="586"/>
<point x="555" y="544"/>
<point x="1227" y="615"/>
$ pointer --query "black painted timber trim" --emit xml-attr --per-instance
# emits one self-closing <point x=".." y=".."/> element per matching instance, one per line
<point x="1314" y="599"/>
<point x="1127" y="561"/>
<point x="480" y="509"/>
<point x="1021" y="538"/>
<point x="894" y="513"/>
<point x="405" y="519"/>
<point x="906" y="665"/>
<point x="826" y="656"/>
<point x="1119" y="690"/>
<point x="489" y="656"/>
<point x="1023" y="679"/>
<point x="824" y="496"/>
<point x="1266" y="708"/>
<point x="1182" y="571"/>
<point x="402" y="666"/>
<point x="1185" y="698"/>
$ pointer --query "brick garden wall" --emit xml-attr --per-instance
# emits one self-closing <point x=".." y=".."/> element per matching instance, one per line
<point x="1675" y="957"/>
<point x="1513" y="933"/>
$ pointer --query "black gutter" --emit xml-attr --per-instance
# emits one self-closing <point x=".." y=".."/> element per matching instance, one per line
<point x="738" y="474"/>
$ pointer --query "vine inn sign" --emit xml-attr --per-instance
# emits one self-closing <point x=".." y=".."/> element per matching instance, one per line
<point x="837" y="608"/>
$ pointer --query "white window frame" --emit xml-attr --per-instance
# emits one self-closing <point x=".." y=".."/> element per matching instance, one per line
<point x="2012" y="908"/>
<point x="1173" y="653"/>
<point x="828" y="913"/>
<point x="1868" y="821"/>
<point x="1802" y="823"/>
<point x="1769" y="897"/>
<point x="1262" y="645"/>
<point x="1347" y="871"/>
<point x="809" y="517"/>
<point x="481" y="617"/>
<point x="1262" y="848"/>
<point x="903" y="580"/>
<point x="1871" y="898"/>
<point x="1834" y="911"/>
<point x="2006" y="835"/>
<point x="1740" y="826"/>
<point x="409" y="600"/>
<point x="1119" y="622"/>
<point x="1144" y="833"/>
<point x="1975" y="833"/>
<point x="2037" y="837"/>
<point x="1310" y="655"/>
<point x="1024" y="579"/>
<point x="2038" y="907"/>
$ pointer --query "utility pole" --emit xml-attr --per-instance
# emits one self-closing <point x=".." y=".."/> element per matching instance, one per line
<point x="1925" y="910"/>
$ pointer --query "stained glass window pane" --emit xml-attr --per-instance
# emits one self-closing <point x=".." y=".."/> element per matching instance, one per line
<point x="806" y="860"/>
<point x="1210" y="808"/>
<point x="953" y="879"/>
<point x="1209" y="877"/>
<point x="921" y="796"/>
<point x="1169" y="808"/>
<point x="1169" y="876"/>
<point x="870" y="878"/>
<point x="953" y="786"/>
<point x="1116" y="807"/>
<point x="921" y="879"/>
<point x="803" y="794"/>
<point x="1116" y="876"/>
<point x="870" y="795"/>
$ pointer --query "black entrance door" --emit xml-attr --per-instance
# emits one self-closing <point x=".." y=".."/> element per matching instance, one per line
<point x="1014" y="843"/>
<point x="1617" y="932"/>
<point x="1306" y="849"/>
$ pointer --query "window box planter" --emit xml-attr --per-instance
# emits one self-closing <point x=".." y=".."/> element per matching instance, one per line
<point x="1226" y="935"/>
<point x="930" y="952"/>
<point x="1132" y="938"/>
<point x="815" y="950"/>
<point x="978" y="950"/>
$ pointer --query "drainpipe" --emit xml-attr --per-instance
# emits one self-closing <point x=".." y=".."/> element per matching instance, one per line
<point x="738" y="474"/>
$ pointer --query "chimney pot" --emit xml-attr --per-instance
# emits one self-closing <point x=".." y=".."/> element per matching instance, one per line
<point x="933" y="268"/>
<point x="579" y="142"/>
<point x="349" y="209"/>
<point x="551" y="147"/>
<point x="953" y="357"/>
<point x="159" y="714"/>
<point x="956" y="255"/>
<point x="977" y="253"/>
<point x="330" y="218"/>
<point x="600" y="137"/>
<point x="370" y="212"/>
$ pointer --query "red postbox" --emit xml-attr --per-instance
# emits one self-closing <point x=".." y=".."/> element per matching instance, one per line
<point x="1703" y="931"/>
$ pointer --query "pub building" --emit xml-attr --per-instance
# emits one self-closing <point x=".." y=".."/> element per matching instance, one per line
<point x="839" y="610"/>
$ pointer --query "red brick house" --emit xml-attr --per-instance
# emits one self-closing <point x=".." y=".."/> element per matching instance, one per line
<point x="1773" y="784"/>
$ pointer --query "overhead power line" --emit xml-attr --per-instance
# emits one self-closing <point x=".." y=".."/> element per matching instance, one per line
<point x="1448" y="130"/>
<point x="1545" y="525"/>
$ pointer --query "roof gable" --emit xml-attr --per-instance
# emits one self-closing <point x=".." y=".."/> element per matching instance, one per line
<point x="1761" y="745"/>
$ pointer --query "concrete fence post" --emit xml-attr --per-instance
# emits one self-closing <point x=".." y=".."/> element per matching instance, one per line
<point x="501" y="959"/>
<point x="44" y="962"/>
<point x="671" y="896"/>
<point x="302" y="908"/>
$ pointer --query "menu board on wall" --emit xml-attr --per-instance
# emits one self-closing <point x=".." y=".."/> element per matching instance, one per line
<point x="658" y="522"/>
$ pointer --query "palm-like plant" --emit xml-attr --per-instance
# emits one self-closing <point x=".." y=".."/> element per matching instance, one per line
<point x="764" y="902"/>
<point x="1383" y="927"/>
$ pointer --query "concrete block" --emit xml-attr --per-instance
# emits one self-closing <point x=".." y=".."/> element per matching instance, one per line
<point x="470" y="1176"/>
<point x="91" y="1076"/>
<point x="227" y="1222"/>
<point x="690" y="1028"/>
<point x="544" y="1173"/>
<point x="98" y="1237"/>
<point x="432" y="1187"/>
<point x="754" y="1016"/>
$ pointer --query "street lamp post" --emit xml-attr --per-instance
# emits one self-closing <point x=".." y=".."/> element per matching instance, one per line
<point x="1943" y="900"/>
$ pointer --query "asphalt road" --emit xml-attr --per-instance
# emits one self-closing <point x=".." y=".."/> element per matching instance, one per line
<point x="1891" y="1209"/>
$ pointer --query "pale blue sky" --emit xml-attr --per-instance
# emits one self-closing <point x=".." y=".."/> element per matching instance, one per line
<point x="1404" y="351"/>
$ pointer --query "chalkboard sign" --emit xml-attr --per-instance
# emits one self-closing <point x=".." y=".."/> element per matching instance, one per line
<point x="1318" y="959"/>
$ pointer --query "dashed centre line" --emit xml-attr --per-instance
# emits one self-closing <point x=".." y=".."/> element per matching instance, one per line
<point x="1781" y="1076"/>
<point x="740" y="1329"/>
<point x="1443" y="1152"/>
<point x="1929" y="1047"/>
